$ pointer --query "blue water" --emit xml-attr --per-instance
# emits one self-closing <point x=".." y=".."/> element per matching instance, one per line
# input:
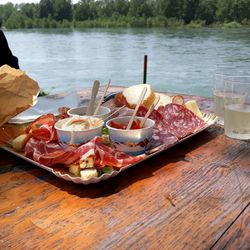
<point x="179" y="60"/>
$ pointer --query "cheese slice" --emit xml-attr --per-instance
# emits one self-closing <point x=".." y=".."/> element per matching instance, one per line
<point x="164" y="99"/>
<point x="193" y="106"/>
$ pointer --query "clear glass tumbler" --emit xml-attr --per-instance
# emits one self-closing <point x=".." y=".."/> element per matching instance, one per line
<point x="220" y="88"/>
<point x="237" y="107"/>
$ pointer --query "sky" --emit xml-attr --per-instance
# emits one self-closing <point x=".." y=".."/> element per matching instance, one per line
<point x="25" y="1"/>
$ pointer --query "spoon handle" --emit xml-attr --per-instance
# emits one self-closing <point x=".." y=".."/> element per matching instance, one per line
<point x="95" y="89"/>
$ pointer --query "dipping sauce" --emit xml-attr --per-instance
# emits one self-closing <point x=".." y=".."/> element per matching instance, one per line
<point x="135" y="125"/>
<point x="79" y="124"/>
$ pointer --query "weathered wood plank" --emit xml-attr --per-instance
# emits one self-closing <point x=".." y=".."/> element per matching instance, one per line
<point x="186" y="197"/>
<point x="238" y="235"/>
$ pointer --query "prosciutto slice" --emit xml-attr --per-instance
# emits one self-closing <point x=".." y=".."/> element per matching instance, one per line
<point x="43" y="128"/>
<point x="51" y="154"/>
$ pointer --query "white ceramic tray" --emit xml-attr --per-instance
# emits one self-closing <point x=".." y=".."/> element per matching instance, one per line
<point x="210" y="119"/>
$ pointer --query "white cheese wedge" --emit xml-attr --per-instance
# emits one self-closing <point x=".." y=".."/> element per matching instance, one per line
<point x="193" y="106"/>
<point x="164" y="99"/>
<point x="87" y="174"/>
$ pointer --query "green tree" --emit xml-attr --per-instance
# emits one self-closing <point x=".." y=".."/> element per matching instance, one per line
<point x="45" y="8"/>
<point x="189" y="10"/>
<point x="62" y="10"/>
<point x="29" y="10"/>
<point x="140" y="8"/>
<point x="82" y="11"/>
<point x="6" y="11"/>
<point x="206" y="11"/>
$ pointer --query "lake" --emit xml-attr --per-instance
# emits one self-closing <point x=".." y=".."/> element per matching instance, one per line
<point x="179" y="60"/>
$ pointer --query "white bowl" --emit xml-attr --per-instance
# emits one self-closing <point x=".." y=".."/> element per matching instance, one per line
<point x="76" y="136"/>
<point x="102" y="113"/>
<point x="132" y="141"/>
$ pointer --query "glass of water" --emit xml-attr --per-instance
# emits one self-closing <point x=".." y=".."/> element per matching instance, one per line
<point x="220" y="88"/>
<point x="237" y="107"/>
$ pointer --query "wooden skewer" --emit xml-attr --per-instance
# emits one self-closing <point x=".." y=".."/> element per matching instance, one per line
<point x="137" y="107"/>
<point x="102" y="98"/>
<point x="151" y="108"/>
<point x="115" y="112"/>
<point x="95" y="89"/>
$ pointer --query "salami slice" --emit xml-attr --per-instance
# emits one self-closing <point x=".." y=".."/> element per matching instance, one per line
<point x="179" y="121"/>
<point x="155" y="115"/>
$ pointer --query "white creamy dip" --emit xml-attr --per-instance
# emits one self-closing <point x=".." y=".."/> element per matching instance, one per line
<point x="81" y="123"/>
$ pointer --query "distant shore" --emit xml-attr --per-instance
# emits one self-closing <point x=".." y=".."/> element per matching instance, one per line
<point x="125" y="14"/>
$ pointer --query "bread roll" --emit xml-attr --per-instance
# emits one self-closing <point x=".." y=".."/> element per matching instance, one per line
<point x="132" y="94"/>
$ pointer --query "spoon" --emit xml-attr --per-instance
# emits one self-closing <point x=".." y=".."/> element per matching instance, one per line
<point x="94" y="92"/>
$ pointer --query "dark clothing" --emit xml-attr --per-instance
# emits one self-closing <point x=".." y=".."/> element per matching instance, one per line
<point x="6" y="56"/>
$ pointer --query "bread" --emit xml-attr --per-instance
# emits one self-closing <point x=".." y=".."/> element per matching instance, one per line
<point x="18" y="92"/>
<point x="132" y="94"/>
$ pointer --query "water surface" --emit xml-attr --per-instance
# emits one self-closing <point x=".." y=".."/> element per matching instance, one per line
<point x="179" y="60"/>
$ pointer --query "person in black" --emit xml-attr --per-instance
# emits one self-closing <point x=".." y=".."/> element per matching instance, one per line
<point x="6" y="56"/>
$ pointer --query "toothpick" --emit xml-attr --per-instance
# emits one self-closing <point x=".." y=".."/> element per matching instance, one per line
<point x="102" y="98"/>
<point x="137" y="107"/>
<point x="151" y="108"/>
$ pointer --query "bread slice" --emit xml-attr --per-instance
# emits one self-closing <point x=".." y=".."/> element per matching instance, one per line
<point x="132" y="95"/>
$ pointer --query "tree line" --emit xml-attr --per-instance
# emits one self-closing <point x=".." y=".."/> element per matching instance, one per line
<point x="124" y="13"/>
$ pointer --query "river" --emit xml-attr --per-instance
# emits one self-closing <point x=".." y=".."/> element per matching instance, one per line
<point x="179" y="60"/>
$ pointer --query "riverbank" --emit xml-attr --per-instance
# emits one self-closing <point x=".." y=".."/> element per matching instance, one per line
<point x="121" y="22"/>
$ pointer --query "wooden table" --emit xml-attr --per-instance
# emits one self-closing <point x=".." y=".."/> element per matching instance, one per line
<point x="196" y="195"/>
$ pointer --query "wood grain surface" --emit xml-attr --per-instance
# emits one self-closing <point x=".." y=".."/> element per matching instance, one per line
<point x="193" y="196"/>
<point x="237" y="236"/>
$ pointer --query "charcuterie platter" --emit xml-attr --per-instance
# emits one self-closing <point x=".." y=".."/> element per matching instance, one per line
<point x="52" y="143"/>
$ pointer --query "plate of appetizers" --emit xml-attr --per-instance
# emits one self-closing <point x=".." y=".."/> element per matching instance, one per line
<point x="86" y="149"/>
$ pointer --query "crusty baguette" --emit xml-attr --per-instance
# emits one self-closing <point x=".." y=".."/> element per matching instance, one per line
<point x="133" y="93"/>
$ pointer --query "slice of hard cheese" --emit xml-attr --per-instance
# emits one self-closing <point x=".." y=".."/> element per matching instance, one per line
<point x="193" y="106"/>
<point x="164" y="99"/>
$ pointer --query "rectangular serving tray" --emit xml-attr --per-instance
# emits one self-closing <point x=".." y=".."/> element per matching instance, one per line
<point x="210" y="119"/>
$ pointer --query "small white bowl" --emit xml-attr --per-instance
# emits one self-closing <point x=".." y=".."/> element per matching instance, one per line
<point x="132" y="141"/>
<point x="102" y="113"/>
<point x="77" y="136"/>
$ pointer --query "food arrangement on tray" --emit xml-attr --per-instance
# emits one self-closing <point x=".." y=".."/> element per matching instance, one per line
<point x="86" y="149"/>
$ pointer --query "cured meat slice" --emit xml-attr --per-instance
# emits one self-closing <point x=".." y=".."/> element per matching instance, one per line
<point x="43" y="128"/>
<point x="179" y="121"/>
<point x="155" y="115"/>
<point x="106" y="156"/>
<point x="50" y="154"/>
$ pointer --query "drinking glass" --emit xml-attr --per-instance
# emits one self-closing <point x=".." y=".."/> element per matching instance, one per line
<point x="237" y="107"/>
<point x="220" y="88"/>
